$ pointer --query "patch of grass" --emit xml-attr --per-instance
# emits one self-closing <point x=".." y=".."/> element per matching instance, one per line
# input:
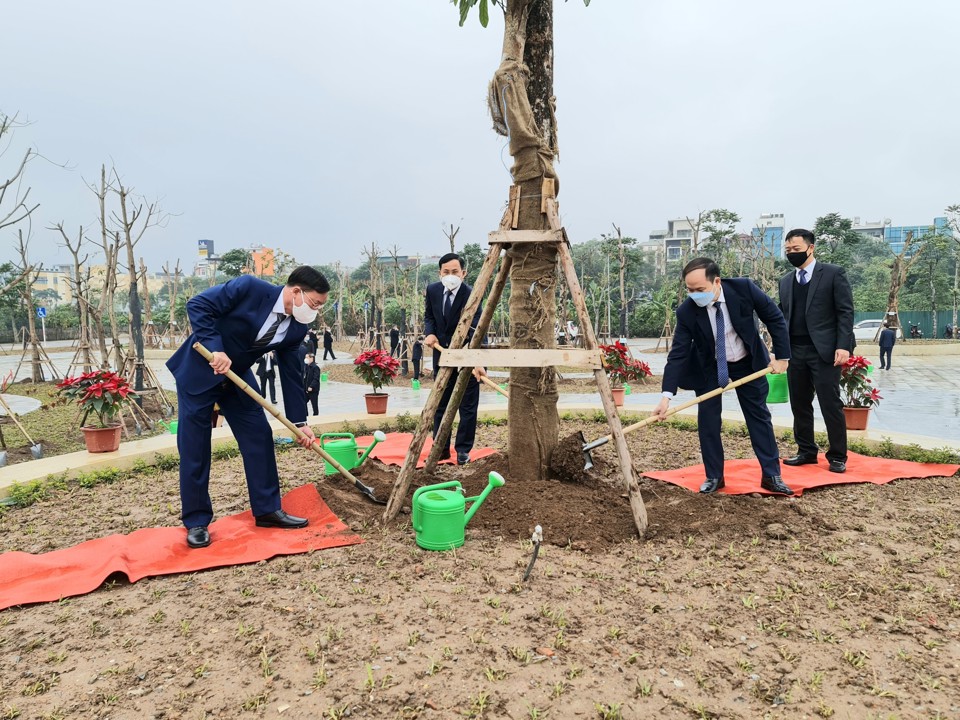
<point x="226" y="451"/>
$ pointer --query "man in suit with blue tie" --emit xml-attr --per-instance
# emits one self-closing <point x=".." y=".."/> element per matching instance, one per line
<point x="238" y="322"/>
<point x="716" y="341"/>
<point x="445" y="301"/>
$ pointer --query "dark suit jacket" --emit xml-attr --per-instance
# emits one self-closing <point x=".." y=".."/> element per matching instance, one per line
<point x="327" y="339"/>
<point x="311" y="377"/>
<point x="888" y="338"/>
<point x="434" y="323"/>
<point x="692" y="362"/>
<point x="226" y="318"/>
<point x="262" y="371"/>
<point x="829" y="309"/>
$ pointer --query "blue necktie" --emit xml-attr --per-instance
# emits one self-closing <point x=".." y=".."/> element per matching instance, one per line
<point x="447" y="304"/>
<point x="803" y="277"/>
<point x="723" y="374"/>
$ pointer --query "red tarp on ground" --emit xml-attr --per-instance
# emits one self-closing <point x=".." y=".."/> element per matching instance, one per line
<point x="742" y="477"/>
<point x="27" y="578"/>
<point x="393" y="450"/>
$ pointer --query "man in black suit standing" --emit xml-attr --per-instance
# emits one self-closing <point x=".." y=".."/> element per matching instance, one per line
<point x="267" y="372"/>
<point x="445" y="301"/>
<point x="328" y="343"/>
<point x="311" y="381"/>
<point x="888" y="338"/>
<point x="817" y="303"/>
<point x="395" y="341"/>
<point x="716" y="341"/>
<point x="417" y="356"/>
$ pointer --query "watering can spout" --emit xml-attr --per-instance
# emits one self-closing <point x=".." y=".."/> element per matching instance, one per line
<point x="495" y="479"/>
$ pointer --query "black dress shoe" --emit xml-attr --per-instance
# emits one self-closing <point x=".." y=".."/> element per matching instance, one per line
<point x="711" y="485"/>
<point x="198" y="537"/>
<point x="280" y="519"/>
<point x="801" y="460"/>
<point x="463" y="458"/>
<point x="775" y="484"/>
<point x="837" y="466"/>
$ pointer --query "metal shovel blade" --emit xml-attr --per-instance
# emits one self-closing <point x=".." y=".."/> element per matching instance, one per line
<point x="3" y="458"/>
<point x="36" y="451"/>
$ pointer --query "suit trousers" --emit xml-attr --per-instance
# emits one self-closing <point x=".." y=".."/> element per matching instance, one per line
<point x="312" y="398"/>
<point x="254" y="438"/>
<point x="467" y="428"/>
<point x="753" y="404"/>
<point x="885" y="351"/>
<point x="269" y="382"/>
<point x="809" y="374"/>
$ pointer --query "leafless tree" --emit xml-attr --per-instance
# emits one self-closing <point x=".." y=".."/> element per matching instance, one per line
<point x="451" y="235"/>
<point x="12" y="194"/>
<point x="902" y="262"/>
<point x="376" y="288"/>
<point x="80" y="287"/>
<point x="109" y="244"/>
<point x="29" y="272"/>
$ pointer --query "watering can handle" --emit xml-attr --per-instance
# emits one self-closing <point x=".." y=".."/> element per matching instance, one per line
<point x="441" y="486"/>
<point x="334" y="435"/>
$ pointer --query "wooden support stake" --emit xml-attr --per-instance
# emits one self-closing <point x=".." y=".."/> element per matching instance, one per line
<point x="525" y="358"/>
<point x="402" y="485"/>
<point x="637" y="507"/>
<point x="514" y="205"/>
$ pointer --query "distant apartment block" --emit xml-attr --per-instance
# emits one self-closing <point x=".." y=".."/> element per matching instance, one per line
<point x="770" y="229"/>
<point x="896" y="235"/>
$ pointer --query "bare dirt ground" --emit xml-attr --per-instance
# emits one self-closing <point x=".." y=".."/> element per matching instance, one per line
<point x="842" y="603"/>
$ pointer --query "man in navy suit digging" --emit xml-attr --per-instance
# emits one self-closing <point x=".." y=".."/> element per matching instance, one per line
<point x="238" y="322"/>
<point x="715" y="343"/>
<point x="445" y="301"/>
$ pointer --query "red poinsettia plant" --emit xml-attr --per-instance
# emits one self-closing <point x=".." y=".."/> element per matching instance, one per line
<point x="377" y="368"/>
<point x="102" y="392"/>
<point x="620" y="366"/>
<point x="857" y="388"/>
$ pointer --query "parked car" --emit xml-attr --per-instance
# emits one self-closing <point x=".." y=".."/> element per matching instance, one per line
<point x="870" y="329"/>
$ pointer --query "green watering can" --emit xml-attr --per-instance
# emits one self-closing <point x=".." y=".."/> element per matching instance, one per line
<point x="438" y="514"/>
<point x="171" y="426"/>
<point x="345" y="451"/>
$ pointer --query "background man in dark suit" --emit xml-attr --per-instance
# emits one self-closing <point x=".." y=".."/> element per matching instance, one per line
<point x="716" y="341"/>
<point x="311" y="381"/>
<point x="445" y="301"/>
<point x="328" y="343"/>
<point x="313" y="341"/>
<point x="417" y="356"/>
<point x="267" y="372"/>
<point x="817" y="303"/>
<point x="888" y="338"/>
<point x="395" y="341"/>
<point x="238" y="322"/>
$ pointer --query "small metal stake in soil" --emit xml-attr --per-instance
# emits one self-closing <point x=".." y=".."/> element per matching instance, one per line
<point x="537" y="538"/>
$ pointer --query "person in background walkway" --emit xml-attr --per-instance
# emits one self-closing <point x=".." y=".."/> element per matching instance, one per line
<point x="817" y="303"/>
<point x="716" y="341"/>
<point x="394" y="341"/>
<point x="417" y="356"/>
<point x="328" y="343"/>
<point x="888" y="338"/>
<point x="313" y="341"/>
<point x="267" y="372"/>
<point x="238" y="322"/>
<point x="311" y="381"/>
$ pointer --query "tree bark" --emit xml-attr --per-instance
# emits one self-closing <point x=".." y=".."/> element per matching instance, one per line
<point x="534" y="424"/>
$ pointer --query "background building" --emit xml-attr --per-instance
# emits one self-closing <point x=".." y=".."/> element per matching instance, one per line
<point x="896" y="235"/>
<point x="770" y="228"/>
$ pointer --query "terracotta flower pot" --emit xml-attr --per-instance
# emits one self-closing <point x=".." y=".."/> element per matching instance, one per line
<point x="856" y="417"/>
<point x="618" y="393"/>
<point x="100" y="439"/>
<point x="376" y="403"/>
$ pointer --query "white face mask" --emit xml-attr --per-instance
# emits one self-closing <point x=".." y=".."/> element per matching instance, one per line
<point x="303" y="313"/>
<point x="451" y="282"/>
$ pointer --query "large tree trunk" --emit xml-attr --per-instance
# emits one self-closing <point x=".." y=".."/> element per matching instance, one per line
<point x="534" y="424"/>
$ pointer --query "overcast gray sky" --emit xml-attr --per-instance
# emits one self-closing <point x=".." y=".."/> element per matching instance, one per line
<point x="319" y="126"/>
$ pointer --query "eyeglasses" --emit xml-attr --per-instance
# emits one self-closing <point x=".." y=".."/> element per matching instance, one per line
<point x="313" y="303"/>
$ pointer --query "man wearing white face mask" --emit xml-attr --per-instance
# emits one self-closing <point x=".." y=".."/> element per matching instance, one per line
<point x="445" y="301"/>
<point x="716" y="342"/>
<point x="238" y="322"/>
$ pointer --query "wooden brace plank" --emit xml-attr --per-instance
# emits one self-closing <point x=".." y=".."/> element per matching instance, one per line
<point x="525" y="236"/>
<point x="521" y="358"/>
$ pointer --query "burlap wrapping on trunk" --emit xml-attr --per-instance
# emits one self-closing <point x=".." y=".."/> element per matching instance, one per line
<point x="513" y="118"/>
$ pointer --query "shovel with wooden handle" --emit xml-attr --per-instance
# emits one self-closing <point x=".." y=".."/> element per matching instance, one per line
<point x="483" y="378"/>
<point x="36" y="449"/>
<point x="587" y="447"/>
<point x="315" y="446"/>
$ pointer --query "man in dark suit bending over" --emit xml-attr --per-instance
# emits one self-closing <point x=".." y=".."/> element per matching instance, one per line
<point x="817" y="303"/>
<point x="445" y="301"/>
<point x="238" y="322"/>
<point x="716" y="341"/>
